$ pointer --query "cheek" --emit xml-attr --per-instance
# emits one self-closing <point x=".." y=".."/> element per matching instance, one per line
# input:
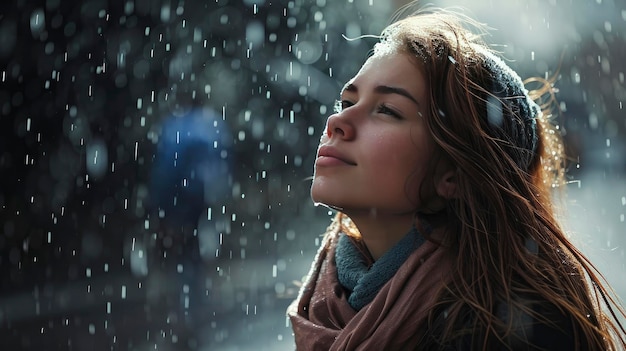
<point x="399" y="160"/>
<point x="411" y="165"/>
<point x="414" y="183"/>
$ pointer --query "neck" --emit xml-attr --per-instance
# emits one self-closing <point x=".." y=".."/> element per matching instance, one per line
<point x="381" y="232"/>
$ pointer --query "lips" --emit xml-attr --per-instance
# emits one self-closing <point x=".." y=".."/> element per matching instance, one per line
<point x="330" y="155"/>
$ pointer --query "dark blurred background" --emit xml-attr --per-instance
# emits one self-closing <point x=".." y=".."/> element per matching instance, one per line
<point x="154" y="156"/>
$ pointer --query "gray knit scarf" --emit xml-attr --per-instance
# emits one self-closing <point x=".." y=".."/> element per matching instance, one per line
<point x="364" y="282"/>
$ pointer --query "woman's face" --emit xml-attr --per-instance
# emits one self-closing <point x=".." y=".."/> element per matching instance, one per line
<point x="373" y="154"/>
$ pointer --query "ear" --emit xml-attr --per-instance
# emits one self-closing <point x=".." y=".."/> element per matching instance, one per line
<point x="446" y="185"/>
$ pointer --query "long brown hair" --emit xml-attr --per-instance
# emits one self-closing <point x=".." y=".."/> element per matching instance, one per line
<point x="511" y="253"/>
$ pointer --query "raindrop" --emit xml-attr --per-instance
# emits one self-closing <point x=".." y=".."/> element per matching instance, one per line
<point x="165" y="13"/>
<point x="138" y="258"/>
<point x="255" y="33"/>
<point x="280" y="288"/>
<point x="37" y="22"/>
<point x="308" y="49"/>
<point x="96" y="158"/>
<point x="353" y="30"/>
<point x="593" y="121"/>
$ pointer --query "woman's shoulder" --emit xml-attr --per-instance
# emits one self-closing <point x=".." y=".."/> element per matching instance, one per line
<point x="539" y="325"/>
<point x="536" y="325"/>
<point x="553" y="330"/>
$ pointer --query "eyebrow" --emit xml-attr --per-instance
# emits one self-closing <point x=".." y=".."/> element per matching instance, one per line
<point x="383" y="89"/>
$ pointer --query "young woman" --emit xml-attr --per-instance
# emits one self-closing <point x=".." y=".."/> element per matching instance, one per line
<point x="440" y="166"/>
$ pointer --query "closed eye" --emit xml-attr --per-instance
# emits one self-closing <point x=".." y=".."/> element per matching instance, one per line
<point x="384" y="109"/>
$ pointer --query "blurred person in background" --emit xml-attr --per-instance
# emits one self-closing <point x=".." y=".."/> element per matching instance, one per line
<point x="441" y="166"/>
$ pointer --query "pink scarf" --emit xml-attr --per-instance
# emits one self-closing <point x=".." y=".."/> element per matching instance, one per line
<point x="396" y="319"/>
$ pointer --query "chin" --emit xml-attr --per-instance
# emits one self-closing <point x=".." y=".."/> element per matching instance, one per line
<point x="330" y="194"/>
<point x="318" y="200"/>
<point x="321" y="198"/>
<point x="328" y="204"/>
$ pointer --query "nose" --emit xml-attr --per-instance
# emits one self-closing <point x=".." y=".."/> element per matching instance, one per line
<point x="339" y="126"/>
